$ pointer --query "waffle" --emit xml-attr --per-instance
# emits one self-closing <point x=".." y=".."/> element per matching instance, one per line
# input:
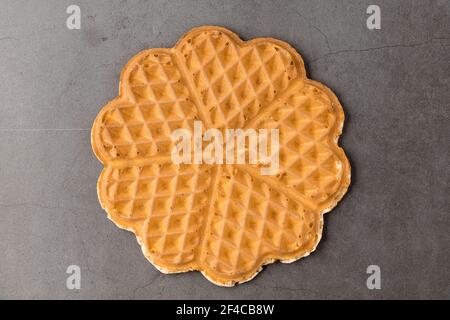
<point x="226" y="220"/>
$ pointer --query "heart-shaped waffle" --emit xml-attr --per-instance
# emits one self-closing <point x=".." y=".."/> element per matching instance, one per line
<point x="225" y="220"/>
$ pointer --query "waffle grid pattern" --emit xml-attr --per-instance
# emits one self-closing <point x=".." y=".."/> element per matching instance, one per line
<point x="307" y="163"/>
<point x="251" y="220"/>
<point x="158" y="103"/>
<point x="235" y="82"/>
<point x="170" y="198"/>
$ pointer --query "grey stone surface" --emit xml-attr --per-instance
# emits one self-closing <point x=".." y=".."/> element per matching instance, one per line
<point x="393" y="84"/>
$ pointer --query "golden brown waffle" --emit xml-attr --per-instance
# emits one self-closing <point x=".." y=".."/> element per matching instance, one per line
<point x="226" y="221"/>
